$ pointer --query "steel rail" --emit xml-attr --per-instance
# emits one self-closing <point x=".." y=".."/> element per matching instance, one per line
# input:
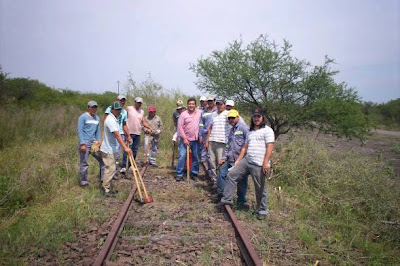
<point x="249" y="254"/>
<point x="112" y="237"/>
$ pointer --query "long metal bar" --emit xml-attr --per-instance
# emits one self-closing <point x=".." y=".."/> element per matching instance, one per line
<point x="249" y="254"/>
<point x="113" y="235"/>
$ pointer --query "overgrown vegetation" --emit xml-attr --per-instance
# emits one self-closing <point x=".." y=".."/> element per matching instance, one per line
<point x="344" y="200"/>
<point x="384" y="115"/>
<point x="339" y="200"/>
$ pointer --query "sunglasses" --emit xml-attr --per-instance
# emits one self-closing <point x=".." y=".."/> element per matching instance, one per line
<point x="93" y="106"/>
<point x="231" y="118"/>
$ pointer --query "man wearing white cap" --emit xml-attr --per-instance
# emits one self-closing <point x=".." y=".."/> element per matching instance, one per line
<point x="229" y="105"/>
<point x="88" y="134"/>
<point x="135" y="122"/>
<point x="204" y="125"/>
<point x="123" y="128"/>
<point x="203" y="103"/>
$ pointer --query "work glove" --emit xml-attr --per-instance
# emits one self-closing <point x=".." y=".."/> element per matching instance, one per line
<point x="95" y="147"/>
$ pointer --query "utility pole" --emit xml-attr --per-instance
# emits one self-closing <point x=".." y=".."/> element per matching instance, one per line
<point x="118" y="86"/>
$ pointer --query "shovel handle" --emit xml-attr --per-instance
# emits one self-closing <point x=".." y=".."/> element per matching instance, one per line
<point x="134" y="169"/>
<point x="140" y="178"/>
<point x="187" y="163"/>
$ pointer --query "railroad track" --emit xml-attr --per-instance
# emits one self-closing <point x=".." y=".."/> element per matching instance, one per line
<point x="181" y="227"/>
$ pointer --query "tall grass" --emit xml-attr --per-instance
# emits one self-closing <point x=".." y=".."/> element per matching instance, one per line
<point x="21" y="124"/>
<point x="345" y="197"/>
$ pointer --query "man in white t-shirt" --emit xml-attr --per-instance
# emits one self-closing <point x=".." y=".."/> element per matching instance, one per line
<point x="111" y="140"/>
<point x="135" y="121"/>
<point x="254" y="159"/>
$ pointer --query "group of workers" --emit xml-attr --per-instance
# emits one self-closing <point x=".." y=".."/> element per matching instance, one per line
<point x="121" y="129"/>
<point x="219" y="139"/>
<point x="227" y="148"/>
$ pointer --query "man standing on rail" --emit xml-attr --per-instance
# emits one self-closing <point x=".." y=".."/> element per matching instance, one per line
<point x="123" y="128"/>
<point x="204" y="125"/>
<point x="111" y="140"/>
<point x="188" y="130"/>
<point x="89" y="134"/>
<point x="151" y="138"/>
<point x="254" y="159"/>
<point x="217" y="137"/>
<point x="135" y="121"/>
<point x="237" y="136"/>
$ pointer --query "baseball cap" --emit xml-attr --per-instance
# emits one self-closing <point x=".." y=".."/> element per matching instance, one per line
<point x="203" y="98"/>
<point x="91" y="104"/>
<point x="230" y="103"/>
<point x="138" y="100"/>
<point x="179" y="102"/>
<point x="120" y="97"/>
<point x="152" y="108"/>
<point x="116" y="105"/>
<point x="210" y="98"/>
<point x="220" y="100"/>
<point x="257" y="111"/>
<point x="179" y="106"/>
<point x="233" y="113"/>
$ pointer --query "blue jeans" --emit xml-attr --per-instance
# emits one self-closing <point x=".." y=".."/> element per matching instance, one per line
<point x="241" y="185"/>
<point x="134" y="147"/>
<point x="194" y="146"/>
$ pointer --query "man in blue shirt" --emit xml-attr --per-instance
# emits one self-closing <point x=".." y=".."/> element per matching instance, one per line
<point x="236" y="139"/>
<point x="88" y="134"/>
<point x="204" y="124"/>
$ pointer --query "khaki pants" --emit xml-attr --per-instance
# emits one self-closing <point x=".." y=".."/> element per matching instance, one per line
<point x="109" y="170"/>
<point x="216" y="150"/>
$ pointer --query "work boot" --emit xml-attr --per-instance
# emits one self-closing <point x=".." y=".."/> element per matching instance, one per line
<point x="84" y="184"/>
<point x="220" y="206"/>
<point x="194" y="177"/>
<point x="243" y="206"/>
<point x="122" y="172"/>
<point x="261" y="217"/>
<point x="216" y="198"/>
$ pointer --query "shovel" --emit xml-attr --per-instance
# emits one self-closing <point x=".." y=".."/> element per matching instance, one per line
<point x="136" y="180"/>
<point x="139" y="182"/>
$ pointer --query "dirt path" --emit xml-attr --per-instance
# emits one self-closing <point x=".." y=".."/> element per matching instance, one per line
<point x="389" y="133"/>
<point x="181" y="227"/>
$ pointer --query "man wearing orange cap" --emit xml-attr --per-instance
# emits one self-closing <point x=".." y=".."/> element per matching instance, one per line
<point x="152" y="137"/>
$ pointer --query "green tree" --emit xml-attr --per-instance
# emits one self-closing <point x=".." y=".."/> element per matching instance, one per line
<point x="291" y="91"/>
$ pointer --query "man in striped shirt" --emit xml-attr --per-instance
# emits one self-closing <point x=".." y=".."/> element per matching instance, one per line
<point x="254" y="159"/>
<point x="217" y="137"/>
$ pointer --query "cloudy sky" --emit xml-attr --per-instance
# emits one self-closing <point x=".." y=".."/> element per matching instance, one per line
<point x="90" y="45"/>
